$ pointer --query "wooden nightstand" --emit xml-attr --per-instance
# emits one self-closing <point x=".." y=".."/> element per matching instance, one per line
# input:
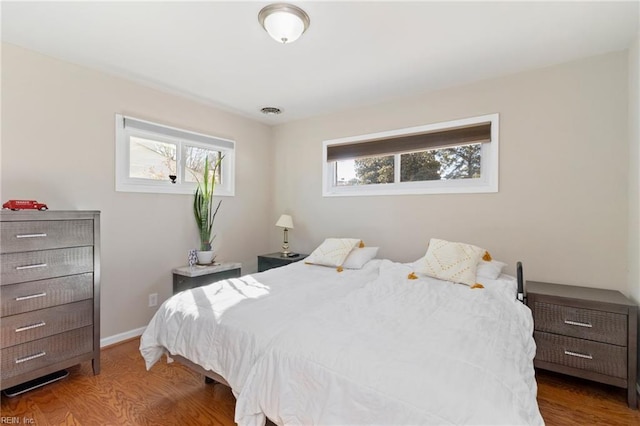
<point x="586" y="332"/>
<point x="274" y="260"/>
<point x="187" y="277"/>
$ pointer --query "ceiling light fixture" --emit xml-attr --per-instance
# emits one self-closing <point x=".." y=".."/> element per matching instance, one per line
<point x="284" y="22"/>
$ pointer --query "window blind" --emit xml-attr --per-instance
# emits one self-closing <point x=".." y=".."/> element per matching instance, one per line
<point x="476" y="133"/>
<point x="147" y="126"/>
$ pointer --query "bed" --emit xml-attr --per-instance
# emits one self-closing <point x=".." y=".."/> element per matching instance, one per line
<point x="220" y="329"/>
<point x="383" y="344"/>
<point x="417" y="351"/>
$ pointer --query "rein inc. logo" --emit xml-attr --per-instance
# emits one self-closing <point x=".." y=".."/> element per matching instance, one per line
<point x="15" y="420"/>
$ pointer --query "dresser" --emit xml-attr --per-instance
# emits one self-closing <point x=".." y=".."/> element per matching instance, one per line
<point x="49" y="293"/>
<point x="585" y="332"/>
<point x="275" y="260"/>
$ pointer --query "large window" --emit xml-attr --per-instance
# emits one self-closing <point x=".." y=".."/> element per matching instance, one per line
<point x="458" y="156"/>
<point x="151" y="157"/>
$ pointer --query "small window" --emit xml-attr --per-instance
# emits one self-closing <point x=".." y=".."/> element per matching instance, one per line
<point x="454" y="157"/>
<point x="152" y="157"/>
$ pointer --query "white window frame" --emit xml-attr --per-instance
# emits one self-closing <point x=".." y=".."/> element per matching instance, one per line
<point x="181" y="138"/>
<point x="486" y="183"/>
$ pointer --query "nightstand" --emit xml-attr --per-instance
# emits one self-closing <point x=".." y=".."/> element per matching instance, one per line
<point x="187" y="277"/>
<point x="585" y="332"/>
<point x="274" y="260"/>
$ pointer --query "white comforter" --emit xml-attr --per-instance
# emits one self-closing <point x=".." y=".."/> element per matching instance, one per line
<point x="226" y="325"/>
<point x="401" y="351"/>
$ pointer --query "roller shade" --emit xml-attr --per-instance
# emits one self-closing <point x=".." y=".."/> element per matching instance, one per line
<point x="476" y="133"/>
<point x="147" y="126"/>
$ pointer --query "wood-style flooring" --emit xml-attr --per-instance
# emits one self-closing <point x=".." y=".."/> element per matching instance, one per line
<point x="126" y="394"/>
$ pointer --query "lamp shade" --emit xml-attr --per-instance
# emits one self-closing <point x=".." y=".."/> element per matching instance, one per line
<point x="285" y="23"/>
<point x="285" y="221"/>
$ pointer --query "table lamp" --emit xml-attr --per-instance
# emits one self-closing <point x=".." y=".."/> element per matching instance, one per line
<point x="285" y="222"/>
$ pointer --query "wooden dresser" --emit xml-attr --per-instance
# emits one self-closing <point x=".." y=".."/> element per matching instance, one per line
<point x="49" y="292"/>
<point x="586" y="332"/>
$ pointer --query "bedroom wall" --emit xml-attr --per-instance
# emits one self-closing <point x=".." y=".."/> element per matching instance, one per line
<point x="58" y="147"/>
<point x="562" y="206"/>
<point x="634" y="176"/>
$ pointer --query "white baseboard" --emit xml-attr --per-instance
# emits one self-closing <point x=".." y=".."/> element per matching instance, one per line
<point x="117" y="338"/>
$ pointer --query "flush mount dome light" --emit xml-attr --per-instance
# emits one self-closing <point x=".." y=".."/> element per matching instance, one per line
<point x="284" y="22"/>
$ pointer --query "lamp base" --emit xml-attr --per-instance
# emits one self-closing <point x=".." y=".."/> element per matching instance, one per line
<point x="285" y="245"/>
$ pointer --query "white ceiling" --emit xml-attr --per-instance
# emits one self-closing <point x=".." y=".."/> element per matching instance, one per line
<point x="353" y="54"/>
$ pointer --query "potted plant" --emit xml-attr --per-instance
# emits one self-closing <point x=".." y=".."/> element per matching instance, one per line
<point x="205" y="211"/>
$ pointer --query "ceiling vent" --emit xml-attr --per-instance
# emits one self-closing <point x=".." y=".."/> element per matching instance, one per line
<point x="270" y="110"/>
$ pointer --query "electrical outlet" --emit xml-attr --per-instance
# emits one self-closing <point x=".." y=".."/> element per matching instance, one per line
<point x="153" y="300"/>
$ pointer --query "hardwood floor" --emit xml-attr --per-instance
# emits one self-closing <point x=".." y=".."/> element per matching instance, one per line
<point x="565" y="400"/>
<point x="126" y="394"/>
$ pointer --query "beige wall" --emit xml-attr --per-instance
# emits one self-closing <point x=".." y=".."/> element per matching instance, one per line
<point x="634" y="169"/>
<point x="562" y="207"/>
<point x="634" y="176"/>
<point x="58" y="147"/>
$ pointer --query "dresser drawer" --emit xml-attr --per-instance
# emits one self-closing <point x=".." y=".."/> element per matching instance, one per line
<point x="602" y="358"/>
<point x="35" y="325"/>
<point x="38" y="265"/>
<point x="43" y="352"/>
<point x="600" y="326"/>
<point x="33" y="295"/>
<point x="43" y="235"/>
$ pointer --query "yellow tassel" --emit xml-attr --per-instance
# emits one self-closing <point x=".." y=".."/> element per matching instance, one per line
<point x="361" y="244"/>
<point x="339" y="269"/>
<point x="412" y="276"/>
<point x="486" y="257"/>
<point x="477" y="285"/>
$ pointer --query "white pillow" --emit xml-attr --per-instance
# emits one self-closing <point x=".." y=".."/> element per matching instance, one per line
<point x="451" y="261"/>
<point x="505" y="284"/>
<point x="491" y="270"/>
<point x="333" y="251"/>
<point x="359" y="257"/>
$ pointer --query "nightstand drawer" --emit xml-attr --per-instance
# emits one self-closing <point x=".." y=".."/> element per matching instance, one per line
<point x="187" y="277"/>
<point x="270" y="263"/>
<point x="38" y="265"/>
<point x="275" y="260"/>
<point x="29" y="326"/>
<point x="602" y="358"/>
<point x="599" y="326"/>
<point x="44" y="235"/>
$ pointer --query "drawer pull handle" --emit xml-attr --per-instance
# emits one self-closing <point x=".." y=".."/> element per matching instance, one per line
<point x="579" y="324"/>
<point x="31" y="235"/>
<point x="31" y="296"/>
<point x="30" y="357"/>
<point x="29" y="327"/>
<point x="578" y="355"/>
<point x="39" y="265"/>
